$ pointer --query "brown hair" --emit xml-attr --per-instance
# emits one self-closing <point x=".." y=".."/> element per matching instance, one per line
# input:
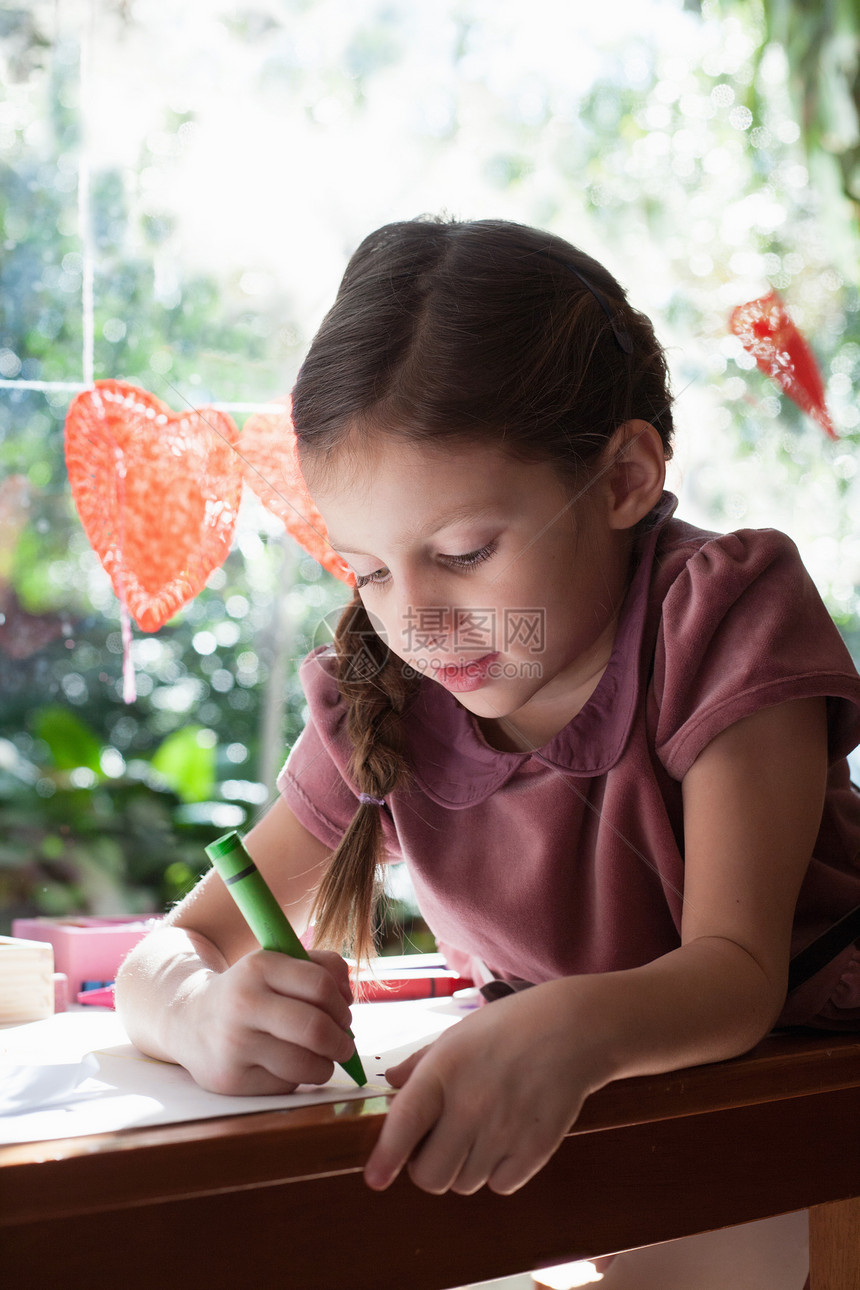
<point x="485" y="331"/>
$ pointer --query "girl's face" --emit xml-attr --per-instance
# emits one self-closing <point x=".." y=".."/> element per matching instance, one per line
<point x="477" y="571"/>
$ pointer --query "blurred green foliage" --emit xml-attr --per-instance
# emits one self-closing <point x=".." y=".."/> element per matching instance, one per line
<point x="822" y="47"/>
<point x="77" y="840"/>
<point x="185" y="761"/>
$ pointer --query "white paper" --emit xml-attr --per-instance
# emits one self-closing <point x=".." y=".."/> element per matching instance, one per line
<point x="76" y="1073"/>
<point x="25" y="1088"/>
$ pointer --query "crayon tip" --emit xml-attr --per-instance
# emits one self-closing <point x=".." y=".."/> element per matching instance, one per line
<point x="354" y="1068"/>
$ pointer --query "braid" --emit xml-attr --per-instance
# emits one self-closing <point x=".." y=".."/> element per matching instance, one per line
<point x="376" y="687"/>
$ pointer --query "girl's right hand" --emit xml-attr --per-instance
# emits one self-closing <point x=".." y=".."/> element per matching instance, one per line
<point x="267" y="1023"/>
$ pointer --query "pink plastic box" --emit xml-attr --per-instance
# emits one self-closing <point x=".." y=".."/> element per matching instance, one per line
<point x="86" y="948"/>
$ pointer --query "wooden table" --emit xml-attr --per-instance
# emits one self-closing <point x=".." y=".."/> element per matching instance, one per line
<point x="275" y="1201"/>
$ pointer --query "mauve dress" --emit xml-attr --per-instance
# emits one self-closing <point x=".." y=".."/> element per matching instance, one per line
<point x="570" y="859"/>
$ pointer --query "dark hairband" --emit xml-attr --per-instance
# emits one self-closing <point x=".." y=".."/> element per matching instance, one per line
<point x="621" y="334"/>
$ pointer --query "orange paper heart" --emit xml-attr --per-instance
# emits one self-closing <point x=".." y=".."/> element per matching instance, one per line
<point x="270" y="466"/>
<point x="156" y="491"/>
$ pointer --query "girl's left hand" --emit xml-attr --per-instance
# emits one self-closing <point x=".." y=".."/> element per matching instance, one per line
<point x="492" y="1098"/>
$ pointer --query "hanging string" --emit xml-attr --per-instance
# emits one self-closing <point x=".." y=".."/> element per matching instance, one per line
<point x="85" y="212"/>
<point x="87" y="238"/>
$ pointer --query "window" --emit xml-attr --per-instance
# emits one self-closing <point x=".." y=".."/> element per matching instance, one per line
<point x="180" y="189"/>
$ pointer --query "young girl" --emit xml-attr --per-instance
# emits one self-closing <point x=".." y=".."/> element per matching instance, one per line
<point x="609" y="746"/>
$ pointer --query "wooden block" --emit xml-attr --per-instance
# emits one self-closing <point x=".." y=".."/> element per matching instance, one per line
<point x="26" y="980"/>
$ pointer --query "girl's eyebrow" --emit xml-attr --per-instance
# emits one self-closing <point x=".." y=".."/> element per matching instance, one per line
<point x="455" y="517"/>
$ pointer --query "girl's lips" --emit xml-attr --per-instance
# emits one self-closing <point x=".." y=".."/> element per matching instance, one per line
<point x="468" y="677"/>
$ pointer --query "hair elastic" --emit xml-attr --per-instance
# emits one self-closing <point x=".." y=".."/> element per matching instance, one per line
<point x="374" y="801"/>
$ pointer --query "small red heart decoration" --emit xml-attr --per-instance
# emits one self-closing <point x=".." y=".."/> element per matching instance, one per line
<point x="767" y="331"/>
<point x="270" y="466"/>
<point x="157" y="492"/>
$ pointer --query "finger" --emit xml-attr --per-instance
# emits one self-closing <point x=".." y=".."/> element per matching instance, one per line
<point x="476" y="1169"/>
<point x="253" y="1081"/>
<point x="338" y="968"/>
<point x="308" y="981"/>
<point x="412" y="1115"/>
<point x="261" y="1065"/>
<point x="440" y="1159"/>
<point x="304" y="1026"/>
<point x="514" y="1172"/>
<point x="287" y="1064"/>
<point x="398" y="1074"/>
<point x="516" y="1167"/>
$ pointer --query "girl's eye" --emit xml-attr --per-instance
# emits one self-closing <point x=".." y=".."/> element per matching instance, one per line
<point x="474" y="557"/>
<point x="459" y="561"/>
<point x="368" y="579"/>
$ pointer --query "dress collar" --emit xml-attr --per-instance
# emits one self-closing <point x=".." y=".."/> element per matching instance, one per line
<point x="456" y="767"/>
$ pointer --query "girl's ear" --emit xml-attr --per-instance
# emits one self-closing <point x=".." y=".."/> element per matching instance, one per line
<point x="635" y="473"/>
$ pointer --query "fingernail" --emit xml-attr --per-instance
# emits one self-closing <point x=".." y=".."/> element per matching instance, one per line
<point x="374" y="1179"/>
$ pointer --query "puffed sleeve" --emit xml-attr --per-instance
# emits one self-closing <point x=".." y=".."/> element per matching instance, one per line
<point x="315" y="781"/>
<point x="743" y="627"/>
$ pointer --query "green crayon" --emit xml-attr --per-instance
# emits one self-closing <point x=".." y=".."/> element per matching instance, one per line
<point x="262" y="912"/>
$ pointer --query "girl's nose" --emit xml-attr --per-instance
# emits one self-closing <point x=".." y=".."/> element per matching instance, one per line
<point x="424" y="627"/>
<point x="424" y="614"/>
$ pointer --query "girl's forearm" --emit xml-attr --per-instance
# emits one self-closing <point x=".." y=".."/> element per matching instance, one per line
<point x="155" y="983"/>
<point x="704" y="1002"/>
